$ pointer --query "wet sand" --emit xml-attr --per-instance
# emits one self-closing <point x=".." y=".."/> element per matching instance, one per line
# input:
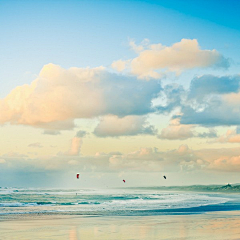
<point x="217" y="225"/>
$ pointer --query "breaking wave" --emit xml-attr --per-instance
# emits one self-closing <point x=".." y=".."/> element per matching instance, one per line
<point x="130" y="201"/>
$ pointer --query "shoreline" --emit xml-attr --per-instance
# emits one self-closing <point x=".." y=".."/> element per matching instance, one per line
<point x="16" y="216"/>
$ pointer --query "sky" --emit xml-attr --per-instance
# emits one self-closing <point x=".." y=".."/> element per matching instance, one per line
<point x="117" y="90"/>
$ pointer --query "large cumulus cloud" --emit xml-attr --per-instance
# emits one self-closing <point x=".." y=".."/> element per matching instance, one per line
<point x="58" y="96"/>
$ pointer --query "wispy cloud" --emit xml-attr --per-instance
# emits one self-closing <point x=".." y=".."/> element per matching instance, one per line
<point x="35" y="145"/>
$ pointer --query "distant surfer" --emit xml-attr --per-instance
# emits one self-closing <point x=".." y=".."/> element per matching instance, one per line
<point x="164" y="177"/>
<point x="124" y="181"/>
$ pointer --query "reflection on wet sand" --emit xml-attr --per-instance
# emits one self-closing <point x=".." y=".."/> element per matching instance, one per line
<point x="73" y="234"/>
<point x="224" y="225"/>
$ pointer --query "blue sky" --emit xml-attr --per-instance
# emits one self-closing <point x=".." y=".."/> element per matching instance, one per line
<point x="134" y="76"/>
<point x="94" y="33"/>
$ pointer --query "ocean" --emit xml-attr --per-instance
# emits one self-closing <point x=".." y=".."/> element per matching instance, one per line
<point x="120" y="202"/>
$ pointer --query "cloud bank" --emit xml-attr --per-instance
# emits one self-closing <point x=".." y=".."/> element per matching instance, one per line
<point x="182" y="159"/>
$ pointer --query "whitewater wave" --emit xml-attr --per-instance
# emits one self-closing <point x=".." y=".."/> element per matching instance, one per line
<point x="139" y="201"/>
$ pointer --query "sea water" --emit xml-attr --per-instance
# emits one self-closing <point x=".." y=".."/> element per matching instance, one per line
<point x="109" y="202"/>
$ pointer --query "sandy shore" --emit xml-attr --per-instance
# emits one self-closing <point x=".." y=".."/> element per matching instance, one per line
<point x="217" y="225"/>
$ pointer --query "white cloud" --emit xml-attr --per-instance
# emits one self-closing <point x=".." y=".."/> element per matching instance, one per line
<point x="58" y="96"/>
<point x="139" y="48"/>
<point x="175" y="130"/>
<point x="119" y="65"/>
<point x="113" y="126"/>
<point x="182" y="55"/>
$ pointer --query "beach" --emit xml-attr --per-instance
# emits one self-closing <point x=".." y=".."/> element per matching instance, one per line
<point x="216" y="225"/>
<point x="119" y="120"/>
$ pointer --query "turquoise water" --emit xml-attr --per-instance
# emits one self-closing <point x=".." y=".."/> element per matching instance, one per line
<point x="131" y="201"/>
